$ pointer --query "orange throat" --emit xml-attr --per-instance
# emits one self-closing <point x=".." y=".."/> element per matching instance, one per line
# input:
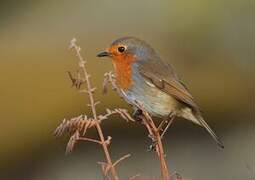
<point x="123" y="72"/>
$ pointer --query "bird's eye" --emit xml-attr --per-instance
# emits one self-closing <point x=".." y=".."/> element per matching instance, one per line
<point x="121" y="49"/>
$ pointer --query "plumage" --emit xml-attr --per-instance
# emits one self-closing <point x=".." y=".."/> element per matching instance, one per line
<point x="153" y="82"/>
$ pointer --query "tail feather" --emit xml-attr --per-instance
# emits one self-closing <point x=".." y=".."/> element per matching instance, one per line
<point x="209" y="130"/>
<point x="195" y="116"/>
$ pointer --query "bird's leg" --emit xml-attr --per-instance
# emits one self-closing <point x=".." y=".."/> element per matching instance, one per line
<point x="138" y="115"/>
<point x="164" y="121"/>
<point x="168" y="121"/>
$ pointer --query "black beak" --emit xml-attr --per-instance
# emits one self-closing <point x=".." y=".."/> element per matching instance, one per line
<point x="103" y="54"/>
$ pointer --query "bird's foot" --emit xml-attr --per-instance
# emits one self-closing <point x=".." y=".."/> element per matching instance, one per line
<point x="138" y="115"/>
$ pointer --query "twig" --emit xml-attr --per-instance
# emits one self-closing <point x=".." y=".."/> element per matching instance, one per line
<point x="90" y="91"/>
<point x="105" y="168"/>
<point x="154" y="133"/>
<point x="134" y="177"/>
<point x="82" y="123"/>
<point x="90" y="140"/>
<point x="121" y="159"/>
<point x="71" y="142"/>
<point x="109" y="77"/>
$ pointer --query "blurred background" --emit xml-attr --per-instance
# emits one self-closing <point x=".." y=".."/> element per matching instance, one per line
<point x="211" y="44"/>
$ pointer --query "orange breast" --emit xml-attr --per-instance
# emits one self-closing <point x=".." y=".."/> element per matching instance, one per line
<point x="123" y="69"/>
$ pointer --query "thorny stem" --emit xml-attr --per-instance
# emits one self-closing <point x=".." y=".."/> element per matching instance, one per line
<point x="92" y="105"/>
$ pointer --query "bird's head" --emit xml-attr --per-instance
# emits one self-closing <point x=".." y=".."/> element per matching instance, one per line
<point x="125" y="52"/>
<point x="128" y="50"/>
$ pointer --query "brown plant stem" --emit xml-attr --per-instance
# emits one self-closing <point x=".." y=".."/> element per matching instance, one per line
<point x="92" y="104"/>
<point x="154" y="133"/>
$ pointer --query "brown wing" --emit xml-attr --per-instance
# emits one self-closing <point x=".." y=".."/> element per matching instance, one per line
<point x="162" y="76"/>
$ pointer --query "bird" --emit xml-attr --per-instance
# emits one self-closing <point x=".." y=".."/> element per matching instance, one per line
<point x="143" y="76"/>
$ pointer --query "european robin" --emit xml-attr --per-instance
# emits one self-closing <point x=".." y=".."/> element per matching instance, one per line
<point x="144" y="77"/>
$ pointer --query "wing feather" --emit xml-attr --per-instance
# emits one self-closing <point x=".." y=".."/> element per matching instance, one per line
<point x="162" y="76"/>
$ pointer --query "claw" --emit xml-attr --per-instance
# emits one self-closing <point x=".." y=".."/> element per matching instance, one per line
<point x="138" y="115"/>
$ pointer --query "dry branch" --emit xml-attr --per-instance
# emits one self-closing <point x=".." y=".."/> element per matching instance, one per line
<point x="92" y="105"/>
<point x="78" y="126"/>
